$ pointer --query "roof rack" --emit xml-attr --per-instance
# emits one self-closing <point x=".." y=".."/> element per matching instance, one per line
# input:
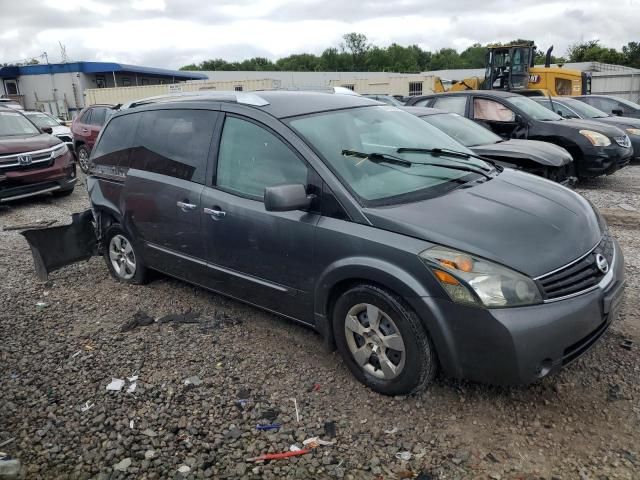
<point x="246" y="98"/>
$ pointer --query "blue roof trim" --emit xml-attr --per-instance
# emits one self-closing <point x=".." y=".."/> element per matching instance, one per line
<point x="97" y="67"/>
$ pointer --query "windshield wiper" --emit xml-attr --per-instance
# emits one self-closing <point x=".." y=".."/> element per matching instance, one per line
<point x="445" y="152"/>
<point x="386" y="158"/>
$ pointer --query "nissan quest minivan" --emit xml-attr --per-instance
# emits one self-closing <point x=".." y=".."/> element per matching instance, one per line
<point x="400" y="246"/>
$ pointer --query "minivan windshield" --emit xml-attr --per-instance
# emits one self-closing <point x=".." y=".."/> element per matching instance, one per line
<point x="383" y="130"/>
<point x="15" y="124"/>
<point x="465" y="131"/>
<point x="533" y="109"/>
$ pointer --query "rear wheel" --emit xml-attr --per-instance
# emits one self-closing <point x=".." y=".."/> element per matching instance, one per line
<point x="123" y="261"/>
<point x="382" y="341"/>
<point x="83" y="158"/>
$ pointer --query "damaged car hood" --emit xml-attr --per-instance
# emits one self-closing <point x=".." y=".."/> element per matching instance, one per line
<point x="519" y="220"/>
<point x="543" y="153"/>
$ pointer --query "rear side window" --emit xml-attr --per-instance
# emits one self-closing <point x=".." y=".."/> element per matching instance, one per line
<point x="452" y="104"/>
<point x="252" y="158"/>
<point x="116" y="141"/>
<point x="174" y="143"/>
<point x="98" y="116"/>
<point x="484" y="109"/>
<point x="86" y="118"/>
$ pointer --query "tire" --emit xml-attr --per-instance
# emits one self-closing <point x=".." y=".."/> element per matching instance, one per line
<point x="405" y="369"/>
<point x="82" y="154"/>
<point x="122" y="258"/>
<point x="63" y="193"/>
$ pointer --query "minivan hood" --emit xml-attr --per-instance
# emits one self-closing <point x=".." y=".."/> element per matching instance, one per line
<point x="543" y="153"/>
<point x="27" y="143"/>
<point x="520" y="220"/>
<point x="583" y="124"/>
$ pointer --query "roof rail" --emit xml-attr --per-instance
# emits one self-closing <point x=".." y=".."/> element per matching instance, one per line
<point x="246" y="98"/>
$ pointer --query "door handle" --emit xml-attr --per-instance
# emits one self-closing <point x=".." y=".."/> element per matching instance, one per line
<point x="84" y="130"/>
<point x="214" y="212"/>
<point x="186" y="206"/>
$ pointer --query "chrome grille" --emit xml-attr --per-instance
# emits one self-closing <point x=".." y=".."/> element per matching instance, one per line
<point x="579" y="276"/>
<point x="623" y="141"/>
<point x="22" y="160"/>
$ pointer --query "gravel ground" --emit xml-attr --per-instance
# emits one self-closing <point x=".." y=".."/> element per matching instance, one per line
<point x="57" y="355"/>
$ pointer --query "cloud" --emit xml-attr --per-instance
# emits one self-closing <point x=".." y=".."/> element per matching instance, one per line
<point x="171" y="33"/>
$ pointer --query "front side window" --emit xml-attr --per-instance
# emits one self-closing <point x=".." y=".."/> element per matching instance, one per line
<point x="563" y="86"/>
<point x="452" y="104"/>
<point x="484" y="109"/>
<point x="583" y="109"/>
<point x="86" y="117"/>
<point x="15" y="124"/>
<point x="251" y="158"/>
<point x="532" y="109"/>
<point x="116" y="141"/>
<point x="174" y="143"/>
<point x="383" y="130"/>
<point x="98" y="116"/>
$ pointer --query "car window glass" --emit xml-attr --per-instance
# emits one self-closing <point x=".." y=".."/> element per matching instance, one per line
<point x="251" y="159"/>
<point x="422" y="103"/>
<point x="452" y="104"/>
<point x="116" y="141"/>
<point x="563" y="111"/>
<point x="174" y="143"/>
<point x="86" y="118"/>
<point x="98" y="116"/>
<point x="484" y="109"/>
<point x="467" y="132"/>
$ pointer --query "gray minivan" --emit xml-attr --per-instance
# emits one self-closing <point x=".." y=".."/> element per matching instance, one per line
<point x="395" y="242"/>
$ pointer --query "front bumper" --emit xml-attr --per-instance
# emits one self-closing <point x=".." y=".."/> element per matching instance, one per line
<point x="521" y="345"/>
<point x="604" y="160"/>
<point x="60" y="175"/>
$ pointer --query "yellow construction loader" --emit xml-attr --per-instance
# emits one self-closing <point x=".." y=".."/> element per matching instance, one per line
<point x="512" y="68"/>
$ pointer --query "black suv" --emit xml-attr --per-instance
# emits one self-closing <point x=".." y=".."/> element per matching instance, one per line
<point x="358" y="219"/>
<point x="596" y="149"/>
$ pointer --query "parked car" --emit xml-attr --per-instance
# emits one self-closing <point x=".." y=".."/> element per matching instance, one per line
<point x="596" y="149"/>
<point x="32" y="161"/>
<point x="612" y="105"/>
<point x="10" y="103"/>
<point x="568" y="107"/>
<point x="388" y="99"/>
<point x="43" y="120"/>
<point x="85" y="129"/>
<point x="540" y="158"/>
<point x="335" y="211"/>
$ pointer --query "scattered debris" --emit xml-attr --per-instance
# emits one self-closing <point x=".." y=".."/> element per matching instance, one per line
<point x="270" y="414"/>
<point x="315" y="442"/>
<point x="76" y="354"/>
<point x="314" y="388"/>
<point x="40" y="305"/>
<point x="294" y="448"/>
<point x="614" y="392"/>
<point x="295" y="404"/>
<point x="623" y="206"/>
<point x="184" y="469"/>
<point x="9" y="467"/>
<point x="330" y="429"/>
<point x="272" y="426"/>
<point x="279" y="456"/>
<point x="115" y="385"/>
<point x="139" y="319"/>
<point x="627" y="343"/>
<point x="391" y="431"/>
<point x="122" y="465"/>
<point x="27" y="226"/>
<point x="406" y="456"/>
<point x="87" y="406"/>
<point x="131" y="424"/>
<point x="7" y="442"/>
<point x="194" y="380"/>
<point x="491" y="457"/>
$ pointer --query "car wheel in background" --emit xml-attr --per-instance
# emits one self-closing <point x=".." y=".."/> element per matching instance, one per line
<point x="382" y="341"/>
<point x="83" y="158"/>
<point x="122" y="258"/>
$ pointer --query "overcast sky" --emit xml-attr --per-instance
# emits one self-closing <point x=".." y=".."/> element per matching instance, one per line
<point x="171" y="33"/>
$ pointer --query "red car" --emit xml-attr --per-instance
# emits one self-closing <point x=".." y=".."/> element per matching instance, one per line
<point x="85" y="129"/>
<point x="32" y="161"/>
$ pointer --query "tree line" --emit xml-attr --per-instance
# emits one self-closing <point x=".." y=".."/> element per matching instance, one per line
<point x="355" y="53"/>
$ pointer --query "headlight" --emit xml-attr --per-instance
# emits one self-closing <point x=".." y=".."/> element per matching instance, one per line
<point x="633" y="131"/>
<point x="61" y="150"/>
<point x="596" y="139"/>
<point x="472" y="280"/>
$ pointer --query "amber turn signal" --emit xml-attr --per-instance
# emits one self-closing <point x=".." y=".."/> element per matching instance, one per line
<point x="445" y="277"/>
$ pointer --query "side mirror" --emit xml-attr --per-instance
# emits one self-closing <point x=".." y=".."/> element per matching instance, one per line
<point x="519" y="120"/>
<point x="48" y="130"/>
<point x="617" y="111"/>
<point x="559" y="112"/>
<point x="285" y="198"/>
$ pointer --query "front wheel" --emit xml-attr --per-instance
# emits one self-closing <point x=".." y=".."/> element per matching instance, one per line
<point x="123" y="261"/>
<point x="382" y="341"/>
<point x="83" y="158"/>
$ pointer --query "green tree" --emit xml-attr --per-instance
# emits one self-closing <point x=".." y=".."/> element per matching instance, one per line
<point x="592" y="51"/>
<point x="356" y="44"/>
<point x="631" y="54"/>
<point x="473" y="56"/>
<point x="445" y="58"/>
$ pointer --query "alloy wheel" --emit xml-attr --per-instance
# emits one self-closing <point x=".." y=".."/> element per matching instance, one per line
<point x="83" y="160"/>
<point x="122" y="258"/>
<point x="374" y="341"/>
